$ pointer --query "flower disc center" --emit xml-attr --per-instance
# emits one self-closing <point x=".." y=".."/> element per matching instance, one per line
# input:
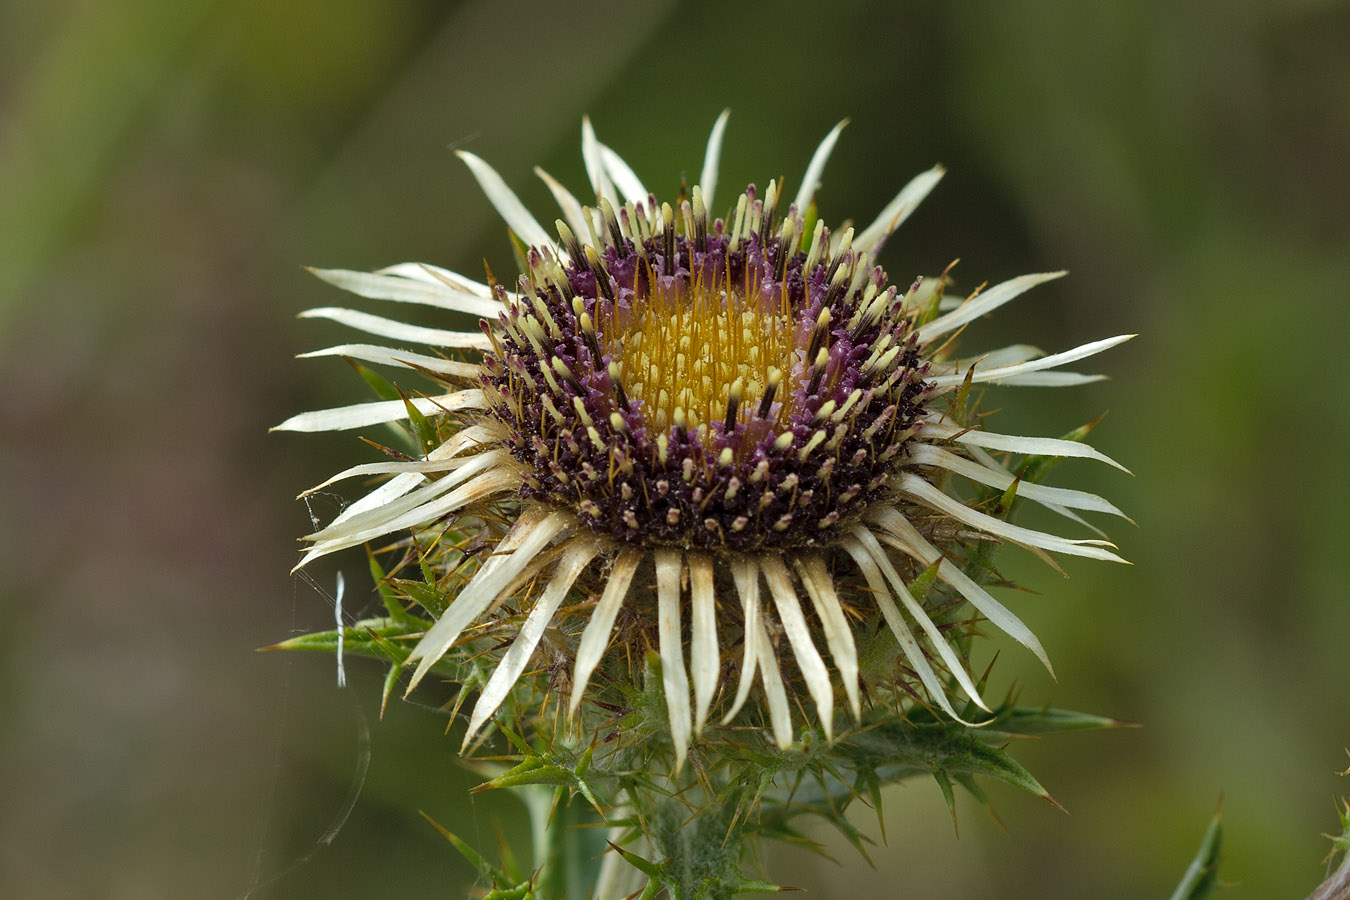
<point x="687" y="347"/>
<point x="717" y="388"/>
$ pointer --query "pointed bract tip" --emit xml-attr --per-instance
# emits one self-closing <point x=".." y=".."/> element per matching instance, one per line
<point x="413" y="682"/>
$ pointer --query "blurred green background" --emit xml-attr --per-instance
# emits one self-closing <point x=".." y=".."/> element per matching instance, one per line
<point x="166" y="168"/>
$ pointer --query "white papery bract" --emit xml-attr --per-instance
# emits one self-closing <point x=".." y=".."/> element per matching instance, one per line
<point x="735" y="429"/>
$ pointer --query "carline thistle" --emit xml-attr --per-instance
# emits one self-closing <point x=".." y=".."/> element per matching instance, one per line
<point x="734" y="429"/>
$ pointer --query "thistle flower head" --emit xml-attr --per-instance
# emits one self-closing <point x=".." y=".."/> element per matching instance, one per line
<point x="714" y="389"/>
<point x="736" y="429"/>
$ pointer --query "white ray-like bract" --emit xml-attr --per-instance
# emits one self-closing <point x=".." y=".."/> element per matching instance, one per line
<point x="429" y="274"/>
<point x="673" y="678"/>
<point x="983" y="303"/>
<point x="595" y="638"/>
<point x="531" y="534"/>
<point x="901" y="533"/>
<point x="746" y="574"/>
<point x="1011" y="373"/>
<point x="400" y="331"/>
<point x="624" y="178"/>
<point x="1031" y="446"/>
<point x="482" y="435"/>
<point x="920" y="489"/>
<point x="799" y="639"/>
<point x="816" y="167"/>
<point x="418" y="285"/>
<point x="711" y="610"/>
<point x="360" y="415"/>
<point x="512" y="211"/>
<point x="490" y="484"/>
<point x="374" y="353"/>
<point x="870" y="562"/>
<point x="712" y="159"/>
<point x="421" y="466"/>
<point x="899" y="209"/>
<point x="819" y="584"/>
<point x="997" y="477"/>
<point x="594" y="158"/>
<point x="373" y="519"/>
<point x="570" y="206"/>
<point x="578" y="556"/>
<point x="703" y="656"/>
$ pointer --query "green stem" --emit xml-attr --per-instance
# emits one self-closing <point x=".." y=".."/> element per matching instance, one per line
<point x="699" y="854"/>
<point x="538" y="801"/>
<point x="565" y="865"/>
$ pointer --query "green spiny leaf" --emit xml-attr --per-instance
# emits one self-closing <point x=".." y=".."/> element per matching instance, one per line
<point x="918" y="588"/>
<point x="994" y="762"/>
<point x="377" y="382"/>
<point x="651" y="891"/>
<point x="475" y="858"/>
<point x="1202" y="874"/>
<point x="810" y="217"/>
<point x="508" y="856"/>
<point x="516" y="740"/>
<point x="385" y="639"/>
<point x="428" y="573"/>
<point x="868" y="781"/>
<point x="1340" y="843"/>
<point x="973" y="788"/>
<point x="424" y="432"/>
<point x="390" y="679"/>
<point x="388" y="595"/>
<point x="646" y="867"/>
<point x="520" y="250"/>
<point x="932" y="304"/>
<point x="948" y="795"/>
<point x="425" y="595"/>
<point x="1046" y="720"/>
<point x="961" y="403"/>
<point x="901" y="749"/>
<point x="557" y="768"/>
<point x="745" y="885"/>
<point x="1005" y="502"/>
<point x="518" y="892"/>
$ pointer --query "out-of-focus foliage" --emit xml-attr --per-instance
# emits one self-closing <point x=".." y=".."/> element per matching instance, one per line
<point x="165" y="170"/>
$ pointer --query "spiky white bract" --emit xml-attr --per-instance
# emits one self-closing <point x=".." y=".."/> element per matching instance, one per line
<point x="729" y="428"/>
